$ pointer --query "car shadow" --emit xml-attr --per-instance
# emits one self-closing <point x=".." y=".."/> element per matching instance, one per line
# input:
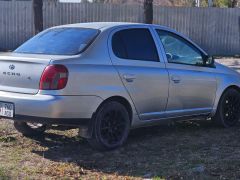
<point x="149" y="151"/>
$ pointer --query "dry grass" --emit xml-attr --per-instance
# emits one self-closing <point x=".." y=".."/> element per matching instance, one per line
<point x="185" y="150"/>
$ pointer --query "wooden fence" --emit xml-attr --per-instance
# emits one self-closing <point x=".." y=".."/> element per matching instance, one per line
<point x="217" y="30"/>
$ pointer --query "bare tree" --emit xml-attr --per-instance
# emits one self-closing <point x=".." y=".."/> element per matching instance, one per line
<point x="38" y="15"/>
<point x="148" y="11"/>
<point x="232" y="3"/>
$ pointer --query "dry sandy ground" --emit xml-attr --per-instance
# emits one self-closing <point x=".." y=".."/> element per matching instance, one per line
<point x="233" y="63"/>
<point x="186" y="150"/>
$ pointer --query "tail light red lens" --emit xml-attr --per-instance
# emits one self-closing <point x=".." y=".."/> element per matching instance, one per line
<point x="54" y="77"/>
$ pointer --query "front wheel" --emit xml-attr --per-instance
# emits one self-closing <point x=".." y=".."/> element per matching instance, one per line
<point x="110" y="126"/>
<point x="30" y="129"/>
<point x="228" y="111"/>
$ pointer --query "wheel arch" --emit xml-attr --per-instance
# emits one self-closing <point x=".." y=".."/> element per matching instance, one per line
<point x="121" y="100"/>
<point x="217" y="100"/>
<point x="231" y="87"/>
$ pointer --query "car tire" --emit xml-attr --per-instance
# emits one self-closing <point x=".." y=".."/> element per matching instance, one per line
<point x="110" y="126"/>
<point x="228" y="110"/>
<point x="30" y="129"/>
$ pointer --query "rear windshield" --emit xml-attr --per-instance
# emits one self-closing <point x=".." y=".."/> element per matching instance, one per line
<point x="59" y="41"/>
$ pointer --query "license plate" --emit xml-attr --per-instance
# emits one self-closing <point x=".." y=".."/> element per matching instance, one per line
<point x="6" y="109"/>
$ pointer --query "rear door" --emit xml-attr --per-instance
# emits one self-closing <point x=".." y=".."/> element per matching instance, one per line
<point x="134" y="54"/>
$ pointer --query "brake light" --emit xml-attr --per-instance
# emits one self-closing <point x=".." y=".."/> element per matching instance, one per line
<point x="54" y="77"/>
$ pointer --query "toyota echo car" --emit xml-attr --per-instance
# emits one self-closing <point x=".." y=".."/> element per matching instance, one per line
<point x="108" y="78"/>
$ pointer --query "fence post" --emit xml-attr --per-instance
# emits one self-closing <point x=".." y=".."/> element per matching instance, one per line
<point x="38" y="15"/>
<point x="148" y="11"/>
<point x="210" y="3"/>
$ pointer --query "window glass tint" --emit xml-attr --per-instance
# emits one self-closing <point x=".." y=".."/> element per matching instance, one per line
<point x="179" y="50"/>
<point x="59" y="41"/>
<point x="135" y="44"/>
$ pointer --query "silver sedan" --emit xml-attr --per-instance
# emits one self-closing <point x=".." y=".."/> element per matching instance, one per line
<point x="108" y="78"/>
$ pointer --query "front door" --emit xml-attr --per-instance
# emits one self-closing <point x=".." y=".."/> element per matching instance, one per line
<point x="135" y="56"/>
<point x="193" y="83"/>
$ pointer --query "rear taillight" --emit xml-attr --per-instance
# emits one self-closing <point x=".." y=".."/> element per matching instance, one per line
<point x="54" y="77"/>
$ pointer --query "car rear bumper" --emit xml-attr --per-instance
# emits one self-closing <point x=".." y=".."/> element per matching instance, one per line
<point x="51" y="108"/>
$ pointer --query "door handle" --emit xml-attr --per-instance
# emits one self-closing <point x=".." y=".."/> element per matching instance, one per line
<point x="129" y="77"/>
<point x="176" y="79"/>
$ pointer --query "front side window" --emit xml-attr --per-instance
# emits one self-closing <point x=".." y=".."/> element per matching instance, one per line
<point x="59" y="41"/>
<point x="179" y="50"/>
<point x="134" y="44"/>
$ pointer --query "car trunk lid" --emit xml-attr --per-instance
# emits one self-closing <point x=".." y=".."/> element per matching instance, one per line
<point x="21" y="73"/>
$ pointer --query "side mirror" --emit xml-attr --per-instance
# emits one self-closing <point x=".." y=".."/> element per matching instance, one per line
<point x="209" y="61"/>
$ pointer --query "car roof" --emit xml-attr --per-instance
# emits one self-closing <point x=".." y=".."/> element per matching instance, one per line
<point x="107" y="25"/>
<point x="99" y="25"/>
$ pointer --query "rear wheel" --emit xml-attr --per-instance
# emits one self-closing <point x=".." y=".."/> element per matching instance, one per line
<point x="30" y="129"/>
<point x="228" y="111"/>
<point x="110" y="126"/>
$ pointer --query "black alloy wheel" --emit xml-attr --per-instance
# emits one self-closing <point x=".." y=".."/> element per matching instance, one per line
<point x="228" y="112"/>
<point x="110" y="127"/>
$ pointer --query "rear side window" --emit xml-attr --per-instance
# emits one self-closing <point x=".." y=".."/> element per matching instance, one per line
<point x="134" y="44"/>
<point x="59" y="41"/>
